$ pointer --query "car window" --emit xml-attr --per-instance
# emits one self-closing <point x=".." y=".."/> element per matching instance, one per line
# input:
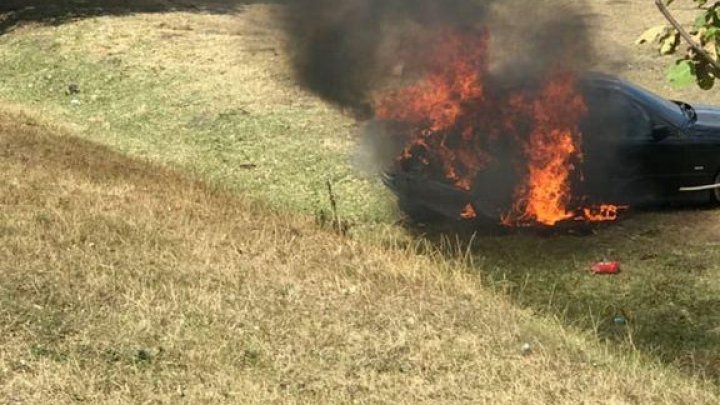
<point x="639" y="125"/>
<point x="614" y="116"/>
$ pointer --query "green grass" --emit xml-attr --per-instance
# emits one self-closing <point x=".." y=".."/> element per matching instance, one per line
<point x="667" y="292"/>
<point x="282" y="152"/>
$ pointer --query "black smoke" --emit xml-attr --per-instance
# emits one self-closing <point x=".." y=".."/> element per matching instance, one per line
<point x="343" y="50"/>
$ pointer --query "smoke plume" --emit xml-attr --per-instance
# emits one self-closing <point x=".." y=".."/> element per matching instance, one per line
<point x="343" y="50"/>
<point x="486" y="66"/>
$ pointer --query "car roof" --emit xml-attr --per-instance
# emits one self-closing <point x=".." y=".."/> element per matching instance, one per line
<point x="603" y="80"/>
<point x="594" y="81"/>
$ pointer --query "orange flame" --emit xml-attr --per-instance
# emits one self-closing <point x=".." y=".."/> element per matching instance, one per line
<point x="468" y="212"/>
<point x="603" y="213"/>
<point x="552" y="151"/>
<point x="454" y="120"/>
<point x="438" y="102"/>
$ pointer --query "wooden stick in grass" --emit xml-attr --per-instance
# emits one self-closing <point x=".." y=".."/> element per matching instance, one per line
<point x="333" y="205"/>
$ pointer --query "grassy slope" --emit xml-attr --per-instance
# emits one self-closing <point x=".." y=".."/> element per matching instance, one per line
<point x="123" y="282"/>
<point x="210" y="93"/>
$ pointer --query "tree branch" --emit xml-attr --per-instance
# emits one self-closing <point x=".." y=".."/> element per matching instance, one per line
<point x="683" y="33"/>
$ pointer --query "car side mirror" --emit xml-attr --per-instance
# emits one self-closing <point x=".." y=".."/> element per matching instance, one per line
<point x="662" y="132"/>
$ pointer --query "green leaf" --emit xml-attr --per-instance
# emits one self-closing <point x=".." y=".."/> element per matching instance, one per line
<point x="682" y="74"/>
<point x="705" y="79"/>
<point x="712" y="33"/>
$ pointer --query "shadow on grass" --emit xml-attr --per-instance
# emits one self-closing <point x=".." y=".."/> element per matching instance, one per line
<point x="16" y="12"/>
<point x="665" y="302"/>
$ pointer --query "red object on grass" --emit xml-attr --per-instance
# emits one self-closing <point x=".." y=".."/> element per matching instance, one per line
<point x="606" y="268"/>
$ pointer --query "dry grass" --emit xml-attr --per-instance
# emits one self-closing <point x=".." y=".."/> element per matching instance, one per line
<point x="124" y="283"/>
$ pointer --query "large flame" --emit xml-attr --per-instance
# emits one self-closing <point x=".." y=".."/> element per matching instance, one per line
<point x="453" y="122"/>
<point x="551" y="151"/>
<point x="437" y="109"/>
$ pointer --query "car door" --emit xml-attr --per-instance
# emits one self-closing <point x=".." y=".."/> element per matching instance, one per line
<point x="632" y="156"/>
<point x="660" y="157"/>
<point x="703" y="161"/>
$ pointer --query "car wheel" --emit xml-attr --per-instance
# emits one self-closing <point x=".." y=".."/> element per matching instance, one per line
<point x="716" y="192"/>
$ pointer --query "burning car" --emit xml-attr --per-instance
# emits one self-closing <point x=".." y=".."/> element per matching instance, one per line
<point x="563" y="148"/>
